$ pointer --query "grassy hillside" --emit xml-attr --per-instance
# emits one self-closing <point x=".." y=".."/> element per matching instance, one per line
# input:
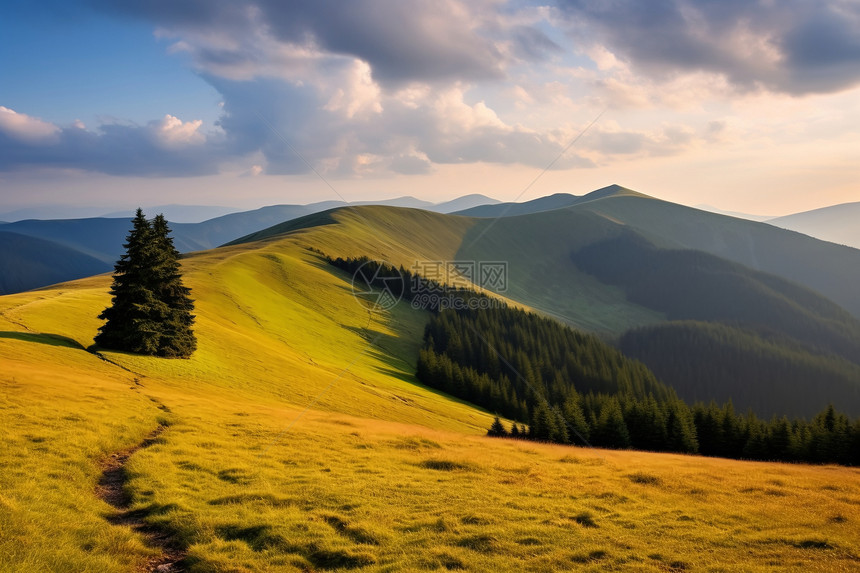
<point x="654" y="285"/>
<point x="296" y="439"/>
<point x="536" y="249"/>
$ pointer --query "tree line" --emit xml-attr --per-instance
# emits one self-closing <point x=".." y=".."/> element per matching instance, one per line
<point x="762" y="371"/>
<point x="401" y="282"/>
<point x="563" y="386"/>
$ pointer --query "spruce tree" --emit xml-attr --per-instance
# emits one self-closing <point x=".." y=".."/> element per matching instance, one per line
<point x="611" y="430"/>
<point x="177" y="338"/>
<point x="497" y="430"/>
<point x="150" y="310"/>
<point x="128" y="325"/>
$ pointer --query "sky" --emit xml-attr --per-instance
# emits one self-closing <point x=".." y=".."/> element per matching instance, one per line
<point x="744" y="105"/>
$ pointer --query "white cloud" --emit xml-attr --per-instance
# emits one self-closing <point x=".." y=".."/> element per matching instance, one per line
<point x="358" y="94"/>
<point x="27" y="129"/>
<point x="172" y="132"/>
<point x="454" y="115"/>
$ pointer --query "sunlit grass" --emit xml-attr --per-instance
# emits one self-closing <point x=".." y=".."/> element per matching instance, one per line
<point x="378" y="472"/>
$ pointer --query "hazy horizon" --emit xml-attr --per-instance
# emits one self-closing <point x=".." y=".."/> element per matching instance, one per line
<point x="192" y="213"/>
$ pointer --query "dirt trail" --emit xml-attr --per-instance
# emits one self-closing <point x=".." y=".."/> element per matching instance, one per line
<point x="111" y="488"/>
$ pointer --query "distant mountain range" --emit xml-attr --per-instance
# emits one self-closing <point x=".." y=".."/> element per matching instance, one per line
<point x="200" y="213"/>
<point x="738" y="214"/>
<point x="181" y="213"/>
<point x="173" y="212"/>
<point x="838" y="224"/>
<point x="92" y="245"/>
<point x="30" y="262"/>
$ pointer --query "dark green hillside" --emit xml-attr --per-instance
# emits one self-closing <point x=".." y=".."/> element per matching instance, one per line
<point x="541" y="275"/>
<point x="28" y="262"/>
<point x="551" y="358"/>
<point x="829" y="269"/>
<point x="769" y="374"/>
<point x="568" y="386"/>
<point x="693" y="285"/>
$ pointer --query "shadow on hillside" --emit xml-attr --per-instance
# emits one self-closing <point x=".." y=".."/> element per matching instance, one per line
<point x="43" y="338"/>
<point x="397" y="353"/>
<point x="396" y="365"/>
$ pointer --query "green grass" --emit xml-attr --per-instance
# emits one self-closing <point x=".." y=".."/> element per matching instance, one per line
<point x="295" y="445"/>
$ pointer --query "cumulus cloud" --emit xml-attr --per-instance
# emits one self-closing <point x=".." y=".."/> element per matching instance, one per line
<point x="797" y="47"/>
<point x="172" y="133"/>
<point x="372" y="87"/>
<point x="165" y="147"/>
<point x="405" y="131"/>
<point x="26" y="129"/>
<point x="401" y="41"/>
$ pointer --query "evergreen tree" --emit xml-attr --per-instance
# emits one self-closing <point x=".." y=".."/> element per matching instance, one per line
<point x="128" y="318"/>
<point x="561" y="435"/>
<point x="177" y="338"/>
<point x="575" y="419"/>
<point x="497" y="430"/>
<point x="150" y="310"/>
<point x="544" y="424"/>
<point x="680" y="429"/>
<point x="572" y="387"/>
<point x="611" y="431"/>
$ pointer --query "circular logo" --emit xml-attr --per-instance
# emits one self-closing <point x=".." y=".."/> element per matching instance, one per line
<point x="377" y="285"/>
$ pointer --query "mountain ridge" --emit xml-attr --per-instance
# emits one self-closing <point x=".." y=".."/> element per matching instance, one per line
<point x="836" y="223"/>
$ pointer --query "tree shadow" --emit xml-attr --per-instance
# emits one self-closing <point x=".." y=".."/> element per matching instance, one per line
<point x="396" y="359"/>
<point x="43" y="338"/>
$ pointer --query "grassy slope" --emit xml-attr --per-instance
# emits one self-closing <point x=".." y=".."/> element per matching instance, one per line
<point x="536" y="247"/>
<point x="379" y="471"/>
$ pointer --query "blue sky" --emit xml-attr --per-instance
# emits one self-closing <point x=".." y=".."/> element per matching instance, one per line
<point x="747" y="105"/>
<point x="62" y="65"/>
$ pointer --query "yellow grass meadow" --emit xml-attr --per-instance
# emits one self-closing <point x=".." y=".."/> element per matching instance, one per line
<point x="297" y="439"/>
